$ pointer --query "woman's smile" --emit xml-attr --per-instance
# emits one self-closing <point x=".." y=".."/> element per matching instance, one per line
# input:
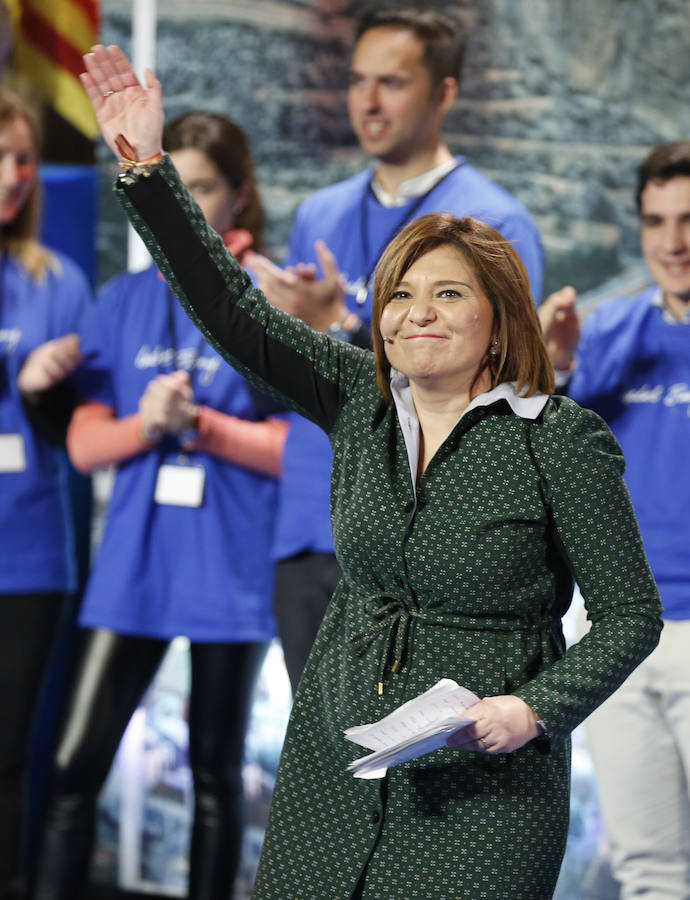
<point x="438" y="323"/>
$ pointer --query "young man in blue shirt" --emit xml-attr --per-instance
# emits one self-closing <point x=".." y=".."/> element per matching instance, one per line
<point x="632" y="366"/>
<point x="404" y="78"/>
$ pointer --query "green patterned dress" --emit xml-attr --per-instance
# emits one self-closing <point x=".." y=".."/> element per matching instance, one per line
<point x="465" y="578"/>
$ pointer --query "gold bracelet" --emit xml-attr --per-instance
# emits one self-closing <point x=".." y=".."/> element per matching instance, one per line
<point x="148" y="163"/>
<point x="128" y="156"/>
<point x="131" y="172"/>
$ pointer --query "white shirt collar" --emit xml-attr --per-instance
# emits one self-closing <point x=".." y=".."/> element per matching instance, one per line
<point x="524" y="407"/>
<point x="658" y="300"/>
<point x="412" y="187"/>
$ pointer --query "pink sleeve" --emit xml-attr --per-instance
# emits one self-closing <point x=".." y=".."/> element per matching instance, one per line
<point x="255" y="445"/>
<point x="95" y="438"/>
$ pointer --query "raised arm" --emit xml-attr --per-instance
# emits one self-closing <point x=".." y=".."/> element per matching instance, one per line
<point x="305" y="370"/>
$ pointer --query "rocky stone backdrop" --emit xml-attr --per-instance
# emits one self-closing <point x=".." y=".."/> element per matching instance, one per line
<point x="559" y="102"/>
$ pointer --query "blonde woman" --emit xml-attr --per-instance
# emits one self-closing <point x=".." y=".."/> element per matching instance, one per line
<point x="42" y="299"/>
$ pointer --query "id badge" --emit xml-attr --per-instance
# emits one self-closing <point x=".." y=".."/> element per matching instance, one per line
<point x="180" y="485"/>
<point x="12" y="455"/>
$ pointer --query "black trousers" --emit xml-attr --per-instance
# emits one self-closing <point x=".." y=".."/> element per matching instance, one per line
<point x="304" y="585"/>
<point x="29" y="624"/>
<point x="113" y="672"/>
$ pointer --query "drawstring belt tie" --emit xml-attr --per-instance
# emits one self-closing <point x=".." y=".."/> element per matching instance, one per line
<point x="392" y="618"/>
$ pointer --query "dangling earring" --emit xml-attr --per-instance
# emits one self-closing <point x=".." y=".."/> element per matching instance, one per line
<point x="494" y="349"/>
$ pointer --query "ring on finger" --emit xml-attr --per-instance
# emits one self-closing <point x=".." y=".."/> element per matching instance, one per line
<point x="485" y="744"/>
<point x="108" y="93"/>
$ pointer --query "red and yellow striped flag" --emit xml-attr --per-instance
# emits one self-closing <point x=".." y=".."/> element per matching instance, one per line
<point x="50" y="37"/>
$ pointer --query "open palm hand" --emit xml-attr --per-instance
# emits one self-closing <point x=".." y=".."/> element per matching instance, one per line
<point x="123" y="106"/>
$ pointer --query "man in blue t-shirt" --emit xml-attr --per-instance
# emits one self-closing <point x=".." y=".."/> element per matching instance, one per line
<point x="632" y="366"/>
<point x="404" y="79"/>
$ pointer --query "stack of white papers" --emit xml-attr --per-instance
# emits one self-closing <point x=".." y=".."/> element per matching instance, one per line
<point x="413" y="729"/>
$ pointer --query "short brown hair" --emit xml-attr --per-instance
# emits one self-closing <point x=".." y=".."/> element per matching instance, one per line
<point x="501" y="275"/>
<point x="663" y="163"/>
<point x="443" y="38"/>
<point x="226" y="145"/>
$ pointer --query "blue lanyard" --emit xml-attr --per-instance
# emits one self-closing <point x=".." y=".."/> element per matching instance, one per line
<point x="174" y="346"/>
<point x="407" y="216"/>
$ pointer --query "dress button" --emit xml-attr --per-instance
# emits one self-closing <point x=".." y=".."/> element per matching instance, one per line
<point x="375" y="816"/>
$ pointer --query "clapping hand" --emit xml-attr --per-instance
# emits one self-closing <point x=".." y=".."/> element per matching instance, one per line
<point x="123" y="107"/>
<point x="49" y="364"/>
<point x="167" y="406"/>
<point x="561" y="327"/>
<point x="296" y="290"/>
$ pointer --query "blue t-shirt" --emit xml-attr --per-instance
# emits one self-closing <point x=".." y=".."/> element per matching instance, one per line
<point x="356" y="227"/>
<point x="634" y="370"/>
<point x="162" y="570"/>
<point x="36" y="543"/>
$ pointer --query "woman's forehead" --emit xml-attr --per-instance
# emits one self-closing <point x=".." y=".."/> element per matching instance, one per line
<point x="439" y="259"/>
